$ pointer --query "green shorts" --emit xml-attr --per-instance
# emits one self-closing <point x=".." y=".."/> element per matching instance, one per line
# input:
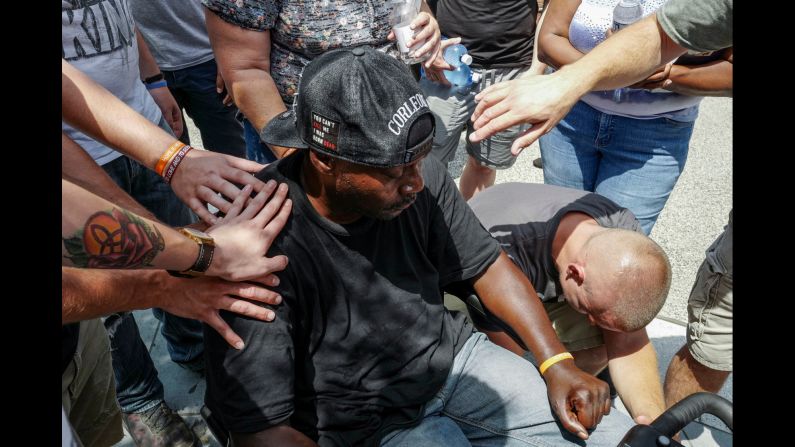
<point x="573" y="328"/>
<point x="88" y="390"/>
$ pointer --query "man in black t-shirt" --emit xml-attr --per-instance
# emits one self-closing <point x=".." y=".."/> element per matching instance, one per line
<point x="601" y="279"/>
<point x="362" y="350"/>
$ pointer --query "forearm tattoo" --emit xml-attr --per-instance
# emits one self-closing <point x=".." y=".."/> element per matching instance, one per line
<point x="114" y="239"/>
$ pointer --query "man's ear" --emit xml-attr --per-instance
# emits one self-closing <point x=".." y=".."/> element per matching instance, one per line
<point x="322" y="163"/>
<point x="576" y="272"/>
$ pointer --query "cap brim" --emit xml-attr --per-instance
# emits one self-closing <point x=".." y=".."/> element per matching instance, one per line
<point x="282" y="131"/>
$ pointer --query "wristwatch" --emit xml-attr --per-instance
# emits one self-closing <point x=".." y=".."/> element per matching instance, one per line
<point x="205" y="258"/>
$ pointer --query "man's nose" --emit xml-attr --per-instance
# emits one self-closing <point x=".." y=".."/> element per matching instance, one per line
<point x="414" y="182"/>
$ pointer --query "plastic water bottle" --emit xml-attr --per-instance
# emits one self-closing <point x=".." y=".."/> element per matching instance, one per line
<point x="625" y="13"/>
<point x="403" y="13"/>
<point x="456" y="55"/>
<point x="462" y="76"/>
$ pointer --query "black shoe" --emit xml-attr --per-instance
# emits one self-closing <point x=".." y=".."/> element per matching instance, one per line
<point x="605" y="376"/>
<point x="537" y="163"/>
<point x="160" y="427"/>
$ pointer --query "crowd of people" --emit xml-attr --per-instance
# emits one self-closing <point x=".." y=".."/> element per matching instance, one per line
<point x="301" y="261"/>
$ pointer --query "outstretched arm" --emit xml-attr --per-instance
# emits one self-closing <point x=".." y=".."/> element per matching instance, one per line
<point x="99" y="234"/>
<point x="623" y="59"/>
<point x="578" y="398"/>
<point x="632" y="362"/>
<point x="92" y="293"/>
<point x="87" y="106"/>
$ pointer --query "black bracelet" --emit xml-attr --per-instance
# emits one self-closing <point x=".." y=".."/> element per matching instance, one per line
<point x="155" y="78"/>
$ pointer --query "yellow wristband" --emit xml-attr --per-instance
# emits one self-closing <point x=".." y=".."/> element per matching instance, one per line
<point x="554" y="359"/>
<point x="167" y="156"/>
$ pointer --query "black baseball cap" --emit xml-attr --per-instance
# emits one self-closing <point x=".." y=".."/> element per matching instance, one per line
<point x="359" y="105"/>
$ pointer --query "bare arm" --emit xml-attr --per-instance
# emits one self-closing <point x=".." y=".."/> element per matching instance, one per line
<point x="79" y="168"/>
<point x="147" y="65"/>
<point x="243" y="58"/>
<point x="537" y="67"/>
<point x="579" y="399"/>
<point x="633" y="367"/>
<point x="98" y="234"/>
<point x="92" y="293"/>
<point x="278" y="436"/>
<point x="711" y="79"/>
<point x="89" y="107"/>
<point x="552" y="39"/>
<point x="623" y="59"/>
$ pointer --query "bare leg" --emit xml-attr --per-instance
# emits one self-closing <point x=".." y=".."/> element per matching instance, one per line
<point x="686" y="376"/>
<point x="475" y="178"/>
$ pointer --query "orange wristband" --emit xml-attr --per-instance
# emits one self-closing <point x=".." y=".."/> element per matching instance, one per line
<point x="167" y="156"/>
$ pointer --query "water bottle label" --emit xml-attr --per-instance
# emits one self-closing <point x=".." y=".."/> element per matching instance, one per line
<point x="403" y="34"/>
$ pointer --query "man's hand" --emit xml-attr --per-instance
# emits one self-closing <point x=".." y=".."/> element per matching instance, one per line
<point x="425" y="28"/>
<point x="202" y="298"/>
<point x="438" y="65"/>
<point x="244" y="235"/>
<point x="168" y="105"/>
<point x="577" y="398"/>
<point x="656" y="79"/>
<point x="202" y="175"/>
<point x="541" y="101"/>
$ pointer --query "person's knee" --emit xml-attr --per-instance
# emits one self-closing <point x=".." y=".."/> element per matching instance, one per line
<point x="708" y="377"/>
<point x="479" y="168"/>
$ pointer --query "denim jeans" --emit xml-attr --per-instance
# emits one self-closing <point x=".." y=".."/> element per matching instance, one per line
<point x="493" y="397"/>
<point x="137" y="385"/>
<point x="256" y="150"/>
<point x="632" y="162"/>
<point x="194" y="90"/>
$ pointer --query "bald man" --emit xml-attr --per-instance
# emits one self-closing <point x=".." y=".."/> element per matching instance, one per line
<point x="600" y="278"/>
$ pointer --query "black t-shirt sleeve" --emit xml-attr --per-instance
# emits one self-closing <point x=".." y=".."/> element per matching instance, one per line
<point x="461" y="246"/>
<point x="253" y="389"/>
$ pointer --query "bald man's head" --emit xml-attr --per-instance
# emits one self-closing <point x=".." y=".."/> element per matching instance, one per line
<point x="627" y="278"/>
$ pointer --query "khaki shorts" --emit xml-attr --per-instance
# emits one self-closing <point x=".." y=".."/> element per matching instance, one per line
<point x="88" y="390"/>
<point x="573" y="328"/>
<point x="709" y="308"/>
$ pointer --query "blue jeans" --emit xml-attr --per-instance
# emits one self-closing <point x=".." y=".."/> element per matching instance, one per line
<point x="632" y="162"/>
<point x="256" y="150"/>
<point x="194" y="90"/>
<point x="137" y="385"/>
<point x="493" y="397"/>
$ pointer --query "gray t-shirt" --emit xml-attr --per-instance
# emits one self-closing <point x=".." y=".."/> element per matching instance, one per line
<point x="704" y="25"/>
<point x="98" y="38"/>
<point x="524" y="218"/>
<point x="175" y="32"/>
